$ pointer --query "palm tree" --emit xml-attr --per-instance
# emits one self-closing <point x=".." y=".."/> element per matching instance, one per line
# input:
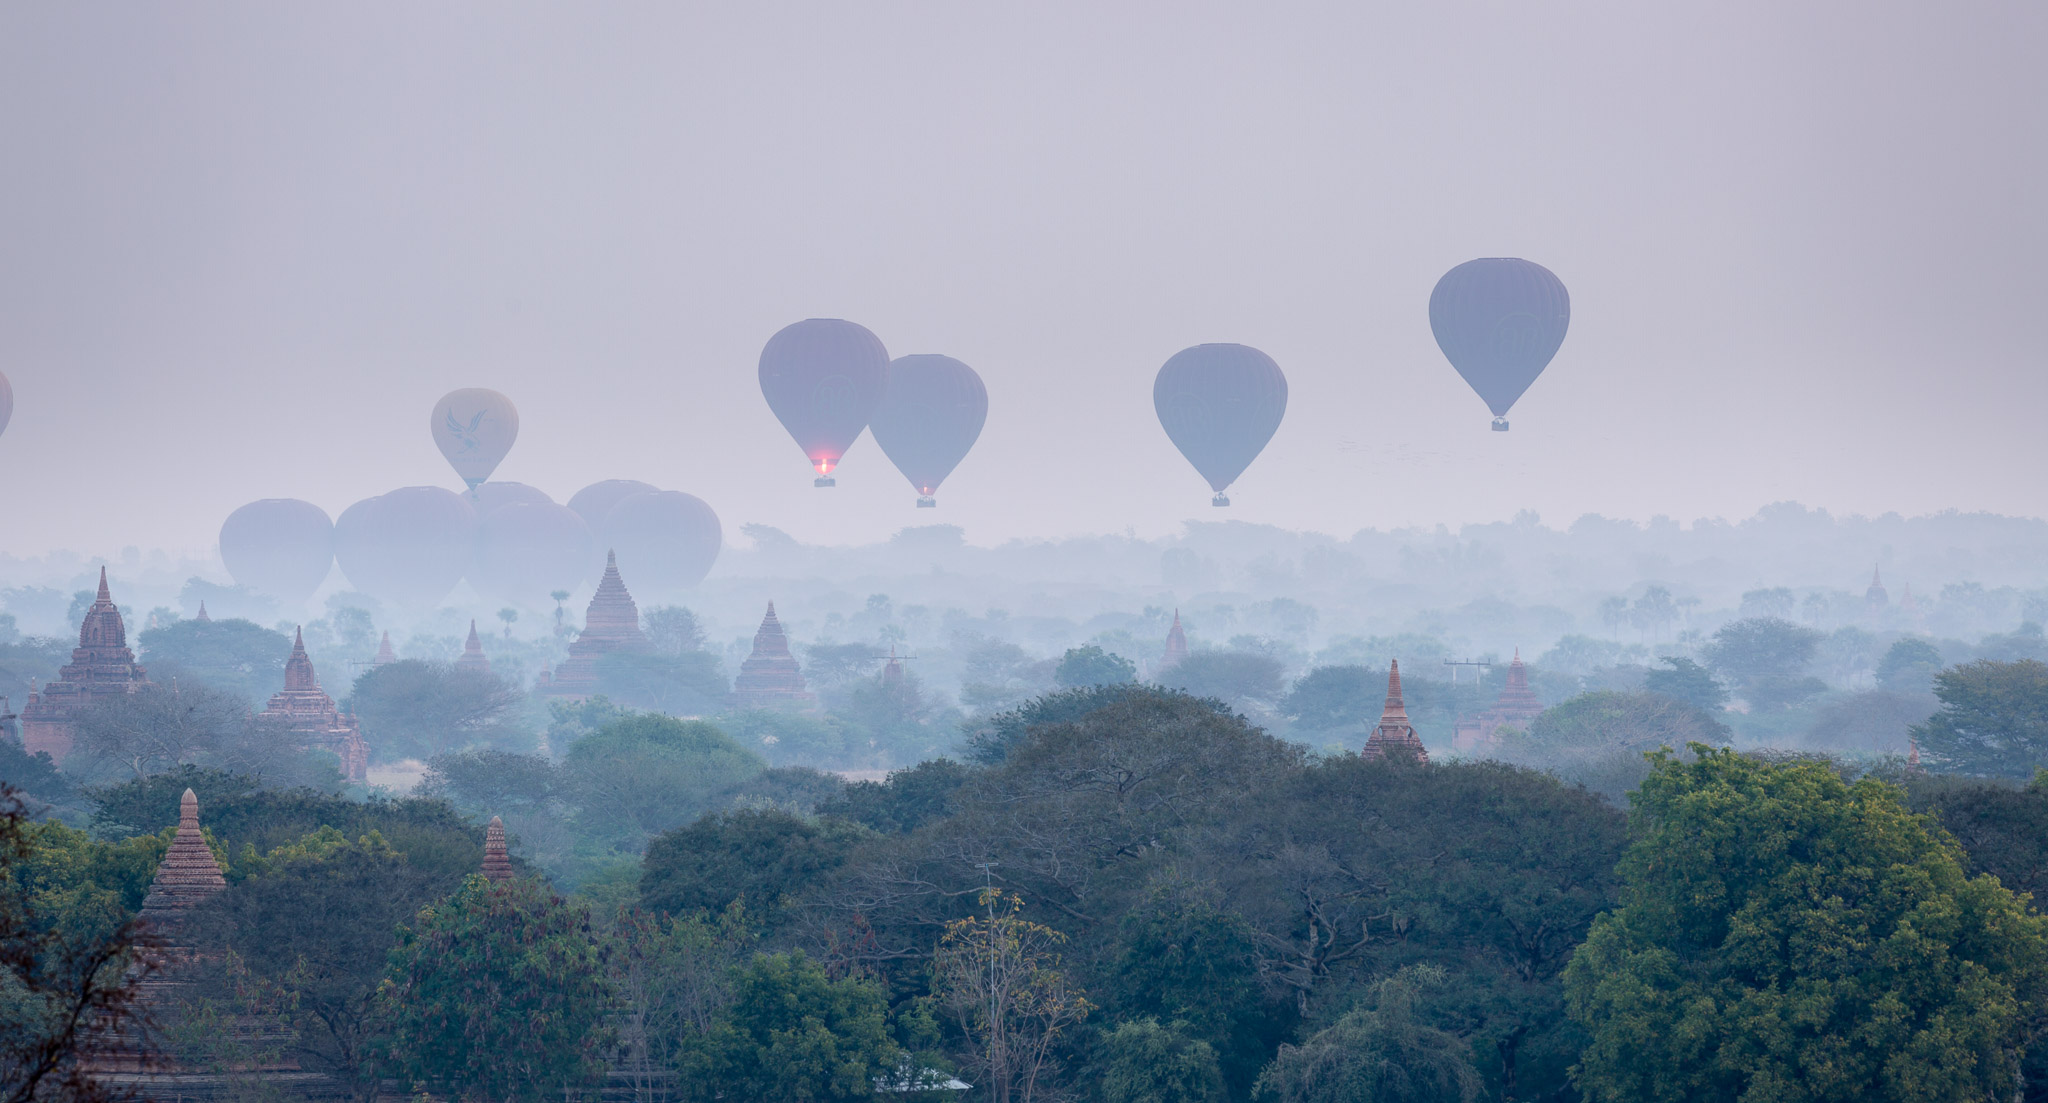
<point x="560" y="596"/>
<point x="508" y="615"/>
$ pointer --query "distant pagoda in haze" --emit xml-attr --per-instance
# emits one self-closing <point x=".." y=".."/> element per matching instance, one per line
<point x="611" y="623"/>
<point x="385" y="656"/>
<point x="1518" y="707"/>
<point x="770" y="677"/>
<point x="101" y="666"/>
<point x="497" y="860"/>
<point x="1176" y="646"/>
<point x="1875" y="599"/>
<point x="1395" y="737"/>
<point x="472" y="657"/>
<point x="304" y="712"/>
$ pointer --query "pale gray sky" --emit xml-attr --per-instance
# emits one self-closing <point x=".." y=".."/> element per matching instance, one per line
<point x="244" y="247"/>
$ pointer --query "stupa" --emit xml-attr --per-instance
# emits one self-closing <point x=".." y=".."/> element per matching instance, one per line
<point x="1176" y="646"/>
<point x="473" y="657"/>
<point x="101" y="665"/>
<point x="497" y="861"/>
<point x="307" y="715"/>
<point x="892" y="671"/>
<point x="611" y="623"/>
<point x="1517" y="707"/>
<point x="770" y="678"/>
<point x="1875" y="597"/>
<point x="202" y="617"/>
<point x="1395" y="737"/>
<point x="385" y="655"/>
<point x="186" y="878"/>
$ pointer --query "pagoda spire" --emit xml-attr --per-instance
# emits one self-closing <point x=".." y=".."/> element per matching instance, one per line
<point x="1395" y="734"/>
<point x="298" y="669"/>
<point x="187" y="877"/>
<point x="384" y="652"/>
<point x="104" y="596"/>
<point x="202" y="617"/>
<point x="497" y="861"/>
<point x="473" y="657"/>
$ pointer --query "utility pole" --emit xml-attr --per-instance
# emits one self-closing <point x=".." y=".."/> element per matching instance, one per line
<point x="1478" y="665"/>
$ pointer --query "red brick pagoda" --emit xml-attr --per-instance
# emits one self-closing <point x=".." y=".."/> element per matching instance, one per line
<point x="611" y="623"/>
<point x="1176" y="646"/>
<point x="1395" y="737"/>
<point x="1517" y="707"/>
<point x="770" y="677"/>
<point x="101" y="665"/>
<point x="308" y="716"/>
<point x="385" y="655"/>
<point x="497" y="861"/>
<point x="473" y="657"/>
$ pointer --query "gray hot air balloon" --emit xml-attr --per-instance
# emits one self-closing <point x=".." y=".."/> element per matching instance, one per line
<point x="407" y="548"/>
<point x="666" y="541"/>
<point x="931" y="414"/>
<point x="823" y="378"/>
<point x="474" y="428"/>
<point x="593" y="502"/>
<point x="1499" y="320"/>
<point x="528" y="549"/>
<point x="278" y="546"/>
<point x="491" y="495"/>
<point x="1220" y="404"/>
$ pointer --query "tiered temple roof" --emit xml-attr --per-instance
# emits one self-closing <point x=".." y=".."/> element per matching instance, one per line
<point x="1394" y="737"/>
<point x="770" y="676"/>
<point x="611" y="623"/>
<point x="1176" y="645"/>
<point x="102" y="664"/>
<point x="497" y="861"/>
<point x="307" y="715"/>
<point x="1517" y="707"/>
<point x="472" y="657"/>
<point x="186" y="878"/>
<point x="384" y="653"/>
<point x="892" y="671"/>
<point x="202" y="617"/>
<point x="1875" y="597"/>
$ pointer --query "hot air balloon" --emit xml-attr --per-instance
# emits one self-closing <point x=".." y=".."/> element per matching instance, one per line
<point x="1220" y="404"/>
<point x="823" y="378"/>
<point x="593" y="502"/>
<point x="6" y="401"/>
<point x="409" y="547"/>
<point x="666" y="541"/>
<point x="474" y="428"/>
<point x="492" y="495"/>
<point x="1499" y="320"/>
<point x="931" y="413"/>
<point x="279" y="546"/>
<point x="527" y="549"/>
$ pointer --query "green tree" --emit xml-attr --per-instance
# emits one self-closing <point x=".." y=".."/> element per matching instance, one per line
<point x="1000" y="976"/>
<point x="761" y="856"/>
<point x="318" y="961"/>
<point x="1092" y="666"/>
<point x="684" y="683"/>
<point x="510" y="616"/>
<point x="1598" y="739"/>
<point x="673" y="977"/>
<point x="1909" y="666"/>
<point x="1182" y="960"/>
<point x="790" y="1032"/>
<point x="1786" y="935"/>
<point x="992" y="740"/>
<point x="643" y="774"/>
<point x="1761" y="648"/>
<point x="1381" y="1052"/>
<point x="1335" y="696"/>
<point x="412" y="709"/>
<point x="1687" y="681"/>
<point x="499" y="993"/>
<point x="672" y="629"/>
<point x="157" y="728"/>
<point x="235" y="656"/>
<point x="903" y="802"/>
<point x="1144" y="1062"/>
<point x="1233" y="677"/>
<point x="1993" y="718"/>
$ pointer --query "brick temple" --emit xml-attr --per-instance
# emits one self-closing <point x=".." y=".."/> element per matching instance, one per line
<point x="1176" y="646"/>
<point x="611" y="623"/>
<point x="385" y="656"/>
<point x="308" y="716"/>
<point x="1394" y="737"/>
<point x="472" y="657"/>
<point x="770" y="677"/>
<point x="1517" y="708"/>
<point x="101" y="665"/>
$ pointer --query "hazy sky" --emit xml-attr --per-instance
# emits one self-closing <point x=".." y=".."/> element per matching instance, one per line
<point x="244" y="247"/>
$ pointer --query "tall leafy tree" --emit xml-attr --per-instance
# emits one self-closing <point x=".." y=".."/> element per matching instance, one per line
<point x="1087" y="666"/>
<point x="790" y="1032"/>
<point x="643" y="774"/>
<point x="1687" y="681"/>
<point x="1993" y="718"/>
<point x="1143" y="1061"/>
<point x="1384" y="1051"/>
<point x="499" y="993"/>
<point x="417" y="709"/>
<point x="1786" y="935"/>
<point x="231" y="655"/>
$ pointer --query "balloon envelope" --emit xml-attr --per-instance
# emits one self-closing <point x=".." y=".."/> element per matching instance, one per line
<point x="409" y="547"/>
<point x="595" y="501"/>
<point x="1220" y="404"/>
<point x="665" y="541"/>
<point x="527" y="549"/>
<point x="6" y="401"/>
<point x="279" y="546"/>
<point x="823" y="378"/>
<point x="489" y="496"/>
<point x="1499" y="320"/>
<point x="931" y="413"/>
<point x="474" y="428"/>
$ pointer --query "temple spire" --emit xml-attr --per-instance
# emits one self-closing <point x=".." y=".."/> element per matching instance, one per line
<point x="202" y="617"/>
<point x="497" y="861"/>
<point x="384" y="652"/>
<point x="187" y="877"/>
<point x="1176" y="644"/>
<point x="1395" y="733"/>
<point x="473" y="653"/>
<point x="298" y="669"/>
<point x="104" y="595"/>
